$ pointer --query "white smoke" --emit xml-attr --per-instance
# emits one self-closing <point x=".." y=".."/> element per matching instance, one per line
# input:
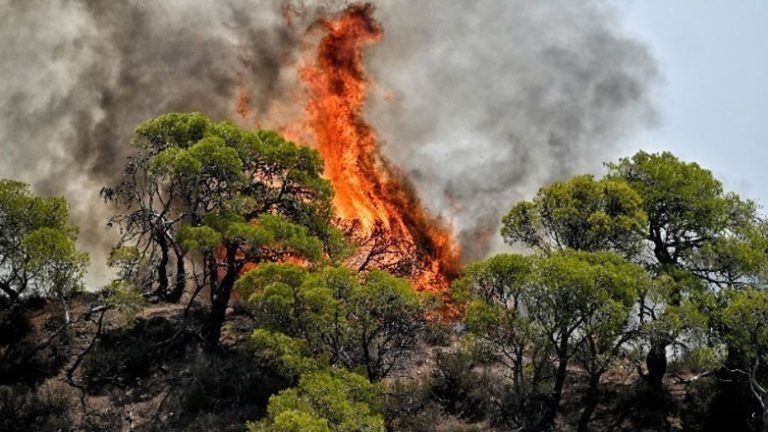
<point x="484" y="102"/>
<point x="478" y="102"/>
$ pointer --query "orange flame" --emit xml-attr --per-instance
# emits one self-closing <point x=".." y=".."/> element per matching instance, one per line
<point x="370" y="192"/>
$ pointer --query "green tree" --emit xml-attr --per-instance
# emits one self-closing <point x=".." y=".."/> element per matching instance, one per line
<point x="330" y="400"/>
<point x="554" y="309"/>
<point x="372" y="320"/>
<point x="582" y="214"/>
<point x="698" y="237"/>
<point x="495" y="293"/>
<point x="223" y="197"/>
<point x="152" y="218"/>
<point x="746" y="319"/>
<point x="37" y="246"/>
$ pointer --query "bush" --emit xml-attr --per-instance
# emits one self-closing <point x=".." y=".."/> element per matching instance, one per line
<point x="458" y="388"/>
<point x="438" y="333"/>
<point x="237" y="380"/>
<point x="103" y="421"/>
<point x="42" y="410"/>
<point x="698" y="400"/>
<point x="408" y="407"/>
<point x="26" y="357"/>
<point x="124" y="356"/>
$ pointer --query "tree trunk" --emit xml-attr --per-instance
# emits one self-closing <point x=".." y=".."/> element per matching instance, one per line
<point x="181" y="280"/>
<point x="656" y="361"/>
<point x="162" y="269"/>
<point x="548" y="422"/>
<point x="592" y="400"/>
<point x="220" y="294"/>
<point x="13" y="296"/>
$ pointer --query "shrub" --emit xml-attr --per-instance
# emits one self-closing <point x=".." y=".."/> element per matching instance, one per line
<point x="22" y="409"/>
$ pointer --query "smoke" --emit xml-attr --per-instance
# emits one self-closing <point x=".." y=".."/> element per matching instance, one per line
<point x="484" y="102"/>
<point x="79" y="76"/>
<point x="478" y="102"/>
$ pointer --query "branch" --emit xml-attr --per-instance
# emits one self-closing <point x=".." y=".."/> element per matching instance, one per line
<point x="72" y="369"/>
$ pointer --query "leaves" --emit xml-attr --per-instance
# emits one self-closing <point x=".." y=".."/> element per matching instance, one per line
<point x="328" y="400"/>
<point x="582" y="214"/>
<point x="37" y="244"/>
<point x="204" y="187"/>
<point x="372" y="321"/>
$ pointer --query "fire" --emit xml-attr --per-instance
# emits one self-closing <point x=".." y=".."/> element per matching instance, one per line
<point x="372" y="198"/>
<point x="375" y="203"/>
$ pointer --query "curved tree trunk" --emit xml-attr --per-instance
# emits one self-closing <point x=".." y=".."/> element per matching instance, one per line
<point x="181" y="280"/>
<point x="220" y="294"/>
<point x="162" y="269"/>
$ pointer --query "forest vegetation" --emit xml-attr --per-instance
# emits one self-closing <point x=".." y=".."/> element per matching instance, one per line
<point x="640" y="303"/>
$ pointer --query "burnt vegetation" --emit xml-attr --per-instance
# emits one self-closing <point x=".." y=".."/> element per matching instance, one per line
<point x="241" y="303"/>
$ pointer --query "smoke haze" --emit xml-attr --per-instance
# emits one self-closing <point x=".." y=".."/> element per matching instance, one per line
<point x="479" y="103"/>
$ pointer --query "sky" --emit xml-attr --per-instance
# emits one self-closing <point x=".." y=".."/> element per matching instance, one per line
<point x="713" y="98"/>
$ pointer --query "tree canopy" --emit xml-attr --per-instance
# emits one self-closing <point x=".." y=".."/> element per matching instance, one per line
<point x="582" y="214"/>
<point x="37" y="245"/>
<point x="371" y="321"/>
<point x="539" y="313"/>
<point x="228" y="196"/>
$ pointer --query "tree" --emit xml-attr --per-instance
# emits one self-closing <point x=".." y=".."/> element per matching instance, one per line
<point x="495" y="293"/>
<point x="152" y="218"/>
<point x="371" y="320"/>
<point x="222" y="197"/>
<point x="37" y="246"/>
<point x="697" y="235"/>
<point x="746" y="318"/>
<point x="607" y="327"/>
<point x="331" y="400"/>
<point x="227" y="243"/>
<point x="582" y="214"/>
<point x="553" y="309"/>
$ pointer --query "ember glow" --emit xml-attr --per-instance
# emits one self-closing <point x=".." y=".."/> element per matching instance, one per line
<point x="375" y="203"/>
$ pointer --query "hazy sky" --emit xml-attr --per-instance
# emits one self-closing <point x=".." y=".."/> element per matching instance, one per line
<point x="713" y="101"/>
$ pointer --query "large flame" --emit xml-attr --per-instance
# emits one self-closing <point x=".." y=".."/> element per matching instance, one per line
<point x="372" y="197"/>
<point x="375" y="204"/>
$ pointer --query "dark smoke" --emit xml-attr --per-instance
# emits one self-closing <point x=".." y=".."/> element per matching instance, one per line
<point x="491" y="98"/>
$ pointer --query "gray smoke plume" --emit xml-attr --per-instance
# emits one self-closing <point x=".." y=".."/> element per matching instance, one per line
<point x="494" y="99"/>
<point x="478" y="102"/>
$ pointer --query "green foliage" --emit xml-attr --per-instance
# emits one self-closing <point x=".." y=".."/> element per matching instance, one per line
<point x="496" y="279"/>
<point x="291" y="354"/>
<point x="746" y="318"/>
<point x="332" y="400"/>
<point x="220" y="167"/>
<point x="37" y="245"/>
<point x="584" y="289"/>
<point x="133" y="269"/>
<point x="700" y="240"/>
<point x="125" y="298"/>
<point x="582" y="214"/>
<point x="373" y="321"/>
<point x="538" y="313"/>
<point x="691" y="220"/>
<point x="271" y="232"/>
<point x="211" y="192"/>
